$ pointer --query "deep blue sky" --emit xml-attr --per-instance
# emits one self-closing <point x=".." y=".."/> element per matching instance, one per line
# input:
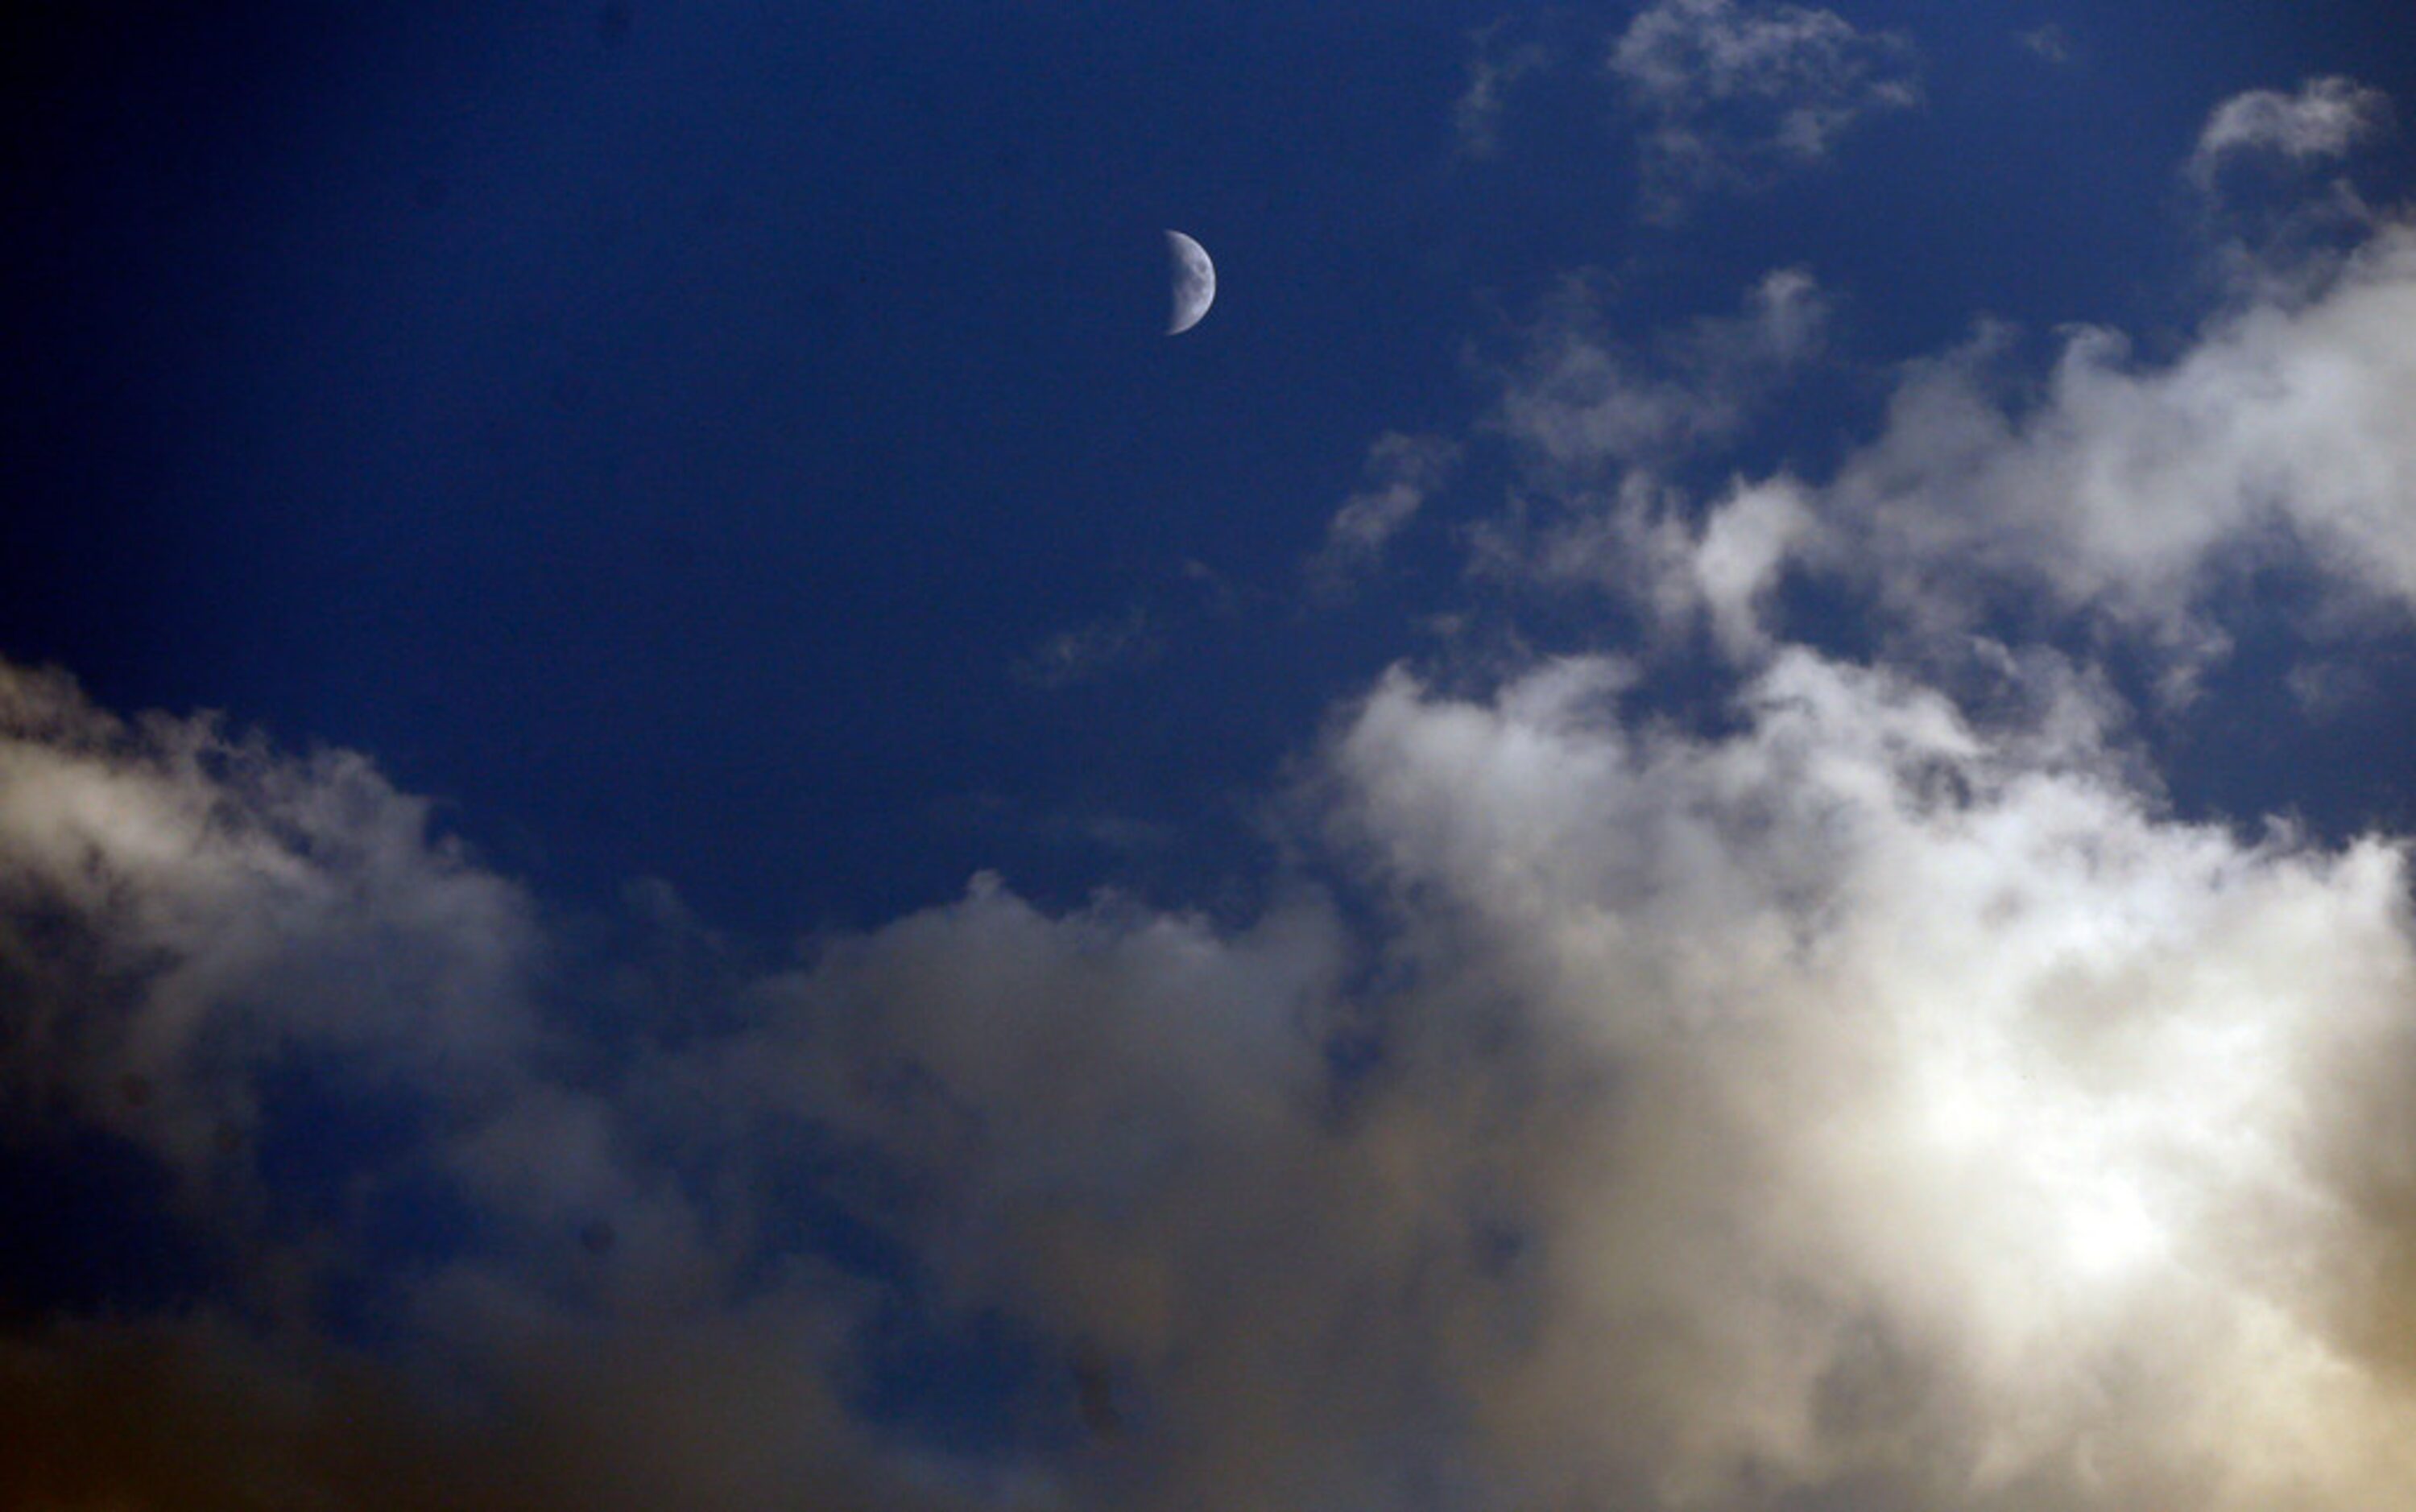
<point x="660" y="431"/>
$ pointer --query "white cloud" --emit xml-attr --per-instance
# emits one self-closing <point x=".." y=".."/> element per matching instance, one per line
<point x="1727" y="95"/>
<point x="1865" y="1105"/>
<point x="2326" y="118"/>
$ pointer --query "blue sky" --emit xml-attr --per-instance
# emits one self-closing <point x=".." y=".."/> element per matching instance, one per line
<point x="1703" y="808"/>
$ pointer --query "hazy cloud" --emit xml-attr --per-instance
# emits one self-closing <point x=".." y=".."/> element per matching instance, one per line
<point x="2049" y="42"/>
<point x="1727" y="95"/>
<point x="1090" y="652"/>
<point x="1498" y="68"/>
<point x="1580" y="398"/>
<point x="1402" y="473"/>
<point x="2326" y="118"/>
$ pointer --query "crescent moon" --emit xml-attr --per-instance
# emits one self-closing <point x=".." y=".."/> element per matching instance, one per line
<point x="1195" y="282"/>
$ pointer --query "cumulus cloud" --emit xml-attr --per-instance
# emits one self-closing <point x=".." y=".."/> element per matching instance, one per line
<point x="425" y="1254"/>
<point x="1727" y="94"/>
<point x="2326" y="118"/>
<point x="1861" y="1097"/>
<point x="240" y="902"/>
<point x="1862" y="1106"/>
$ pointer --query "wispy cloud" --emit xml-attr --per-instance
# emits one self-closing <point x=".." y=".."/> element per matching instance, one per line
<point x="2049" y="42"/>
<point x="1402" y="473"/>
<point x="2325" y="119"/>
<point x="1577" y="398"/>
<point x="1499" y="65"/>
<point x="1090" y="652"/>
<point x="1727" y="94"/>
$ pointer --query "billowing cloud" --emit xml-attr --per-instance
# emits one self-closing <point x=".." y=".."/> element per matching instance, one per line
<point x="2326" y="118"/>
<point x="1894" y="1109"/>
<point x="1864" y="1106"/>
<point x="1727" y="94"/>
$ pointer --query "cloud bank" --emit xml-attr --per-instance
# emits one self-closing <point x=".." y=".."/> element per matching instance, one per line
<point x="1864" y="1107"/>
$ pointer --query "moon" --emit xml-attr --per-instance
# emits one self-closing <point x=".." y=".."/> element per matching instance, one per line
<point x="1195" y="282"/>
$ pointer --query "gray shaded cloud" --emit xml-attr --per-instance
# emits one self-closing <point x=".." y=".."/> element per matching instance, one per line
<point x="1728" y="95"/>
